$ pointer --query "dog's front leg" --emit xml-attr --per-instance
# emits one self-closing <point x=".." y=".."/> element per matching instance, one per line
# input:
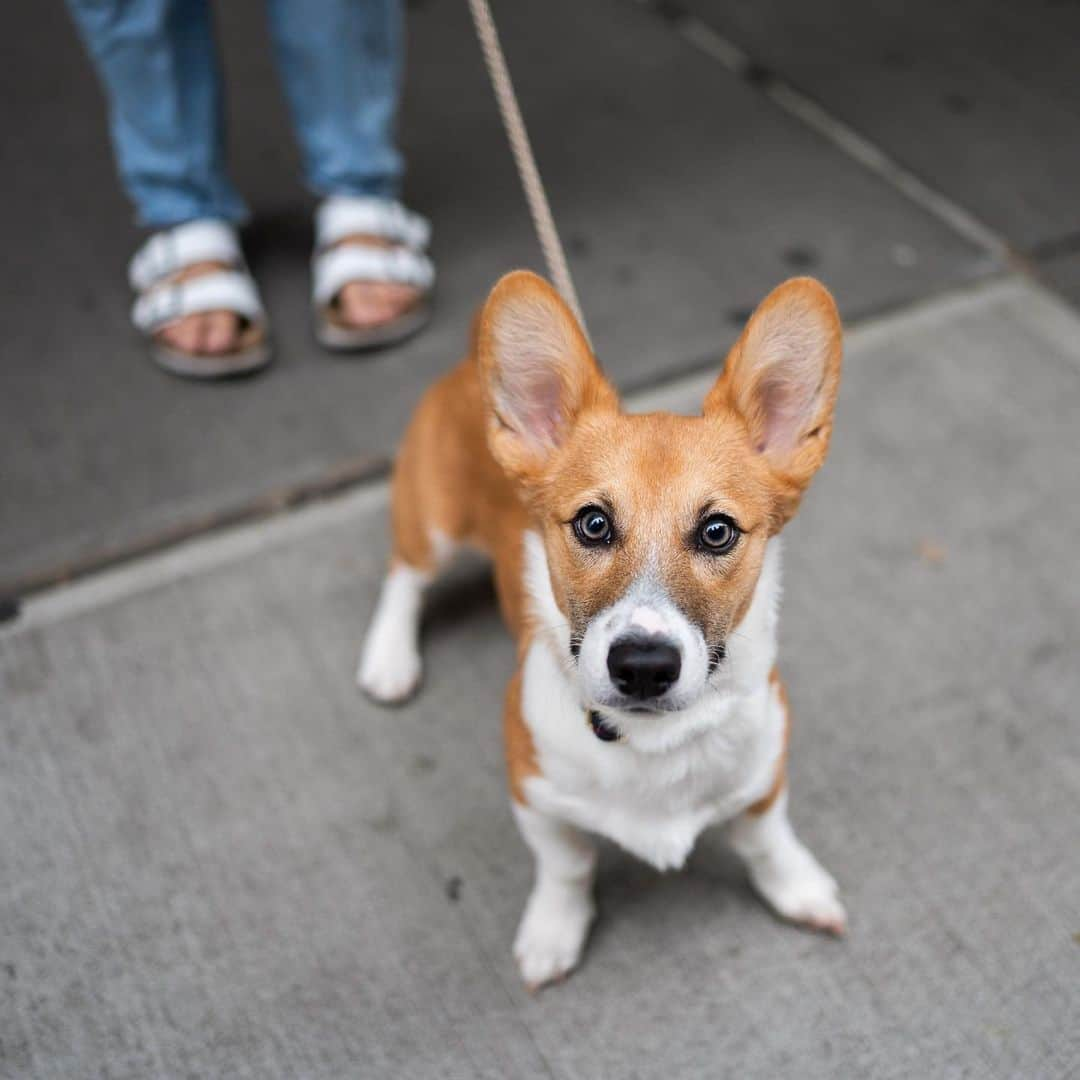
<point x="784" y="871"/>
<point x="560" y="909"/>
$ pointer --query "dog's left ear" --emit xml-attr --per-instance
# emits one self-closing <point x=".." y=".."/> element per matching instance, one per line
<point x="781" y="378"/>
<point x="538" y="372"/>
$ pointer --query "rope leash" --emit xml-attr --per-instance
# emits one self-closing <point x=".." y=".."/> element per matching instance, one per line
<point x="518" y="136"/>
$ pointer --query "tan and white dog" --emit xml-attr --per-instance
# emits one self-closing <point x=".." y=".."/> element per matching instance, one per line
<point x="638" y="566"/>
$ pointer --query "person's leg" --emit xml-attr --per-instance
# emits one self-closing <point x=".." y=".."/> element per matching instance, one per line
<point x="340" y="63"/>
<point x="157" y="63"/>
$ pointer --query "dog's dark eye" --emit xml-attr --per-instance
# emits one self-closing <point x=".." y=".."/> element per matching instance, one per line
<point x="592" y="526"/>
<point x="717" y="534"/>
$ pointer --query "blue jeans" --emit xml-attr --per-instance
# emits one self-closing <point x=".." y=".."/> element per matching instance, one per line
<point x="340" y="63"/>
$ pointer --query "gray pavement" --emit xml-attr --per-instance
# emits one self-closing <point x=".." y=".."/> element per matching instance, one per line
<point x="979" y="97"/>
<point x="684" y="195"/>
<point x="217" y="859"/>
<point x="220" y="860"/>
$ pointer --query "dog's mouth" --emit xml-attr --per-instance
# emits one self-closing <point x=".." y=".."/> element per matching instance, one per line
<point x="603" y="729"/>
<point x="611" y="714"/>
<point x="606" y="730"/>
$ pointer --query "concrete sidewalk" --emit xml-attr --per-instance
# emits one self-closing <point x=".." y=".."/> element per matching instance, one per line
<point x="219" y="860"/>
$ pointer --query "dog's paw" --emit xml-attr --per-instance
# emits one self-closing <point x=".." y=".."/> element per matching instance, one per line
<point x="389" y="670"/>
<point x="802" y="891"/>
<point x="552" y="933"/>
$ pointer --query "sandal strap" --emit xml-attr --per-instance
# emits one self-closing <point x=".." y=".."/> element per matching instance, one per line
<point x="222" y="290"/>
<point x="167" y="252"/>
<point x="341" y="216"/>
<point x="334" y="269"/>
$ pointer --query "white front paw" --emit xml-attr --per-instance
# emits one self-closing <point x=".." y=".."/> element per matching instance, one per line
<point x="800" y="889"/>
<point x="390" y="663"/>
<point x="389" y="667"/>
<point x="552" y="933"/>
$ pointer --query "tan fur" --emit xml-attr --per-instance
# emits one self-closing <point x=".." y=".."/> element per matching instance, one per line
<point x="520" y="752"/>
<point x="446" y="480"/>
<point x="780" y="778"/>
<point x="526" y="431"/>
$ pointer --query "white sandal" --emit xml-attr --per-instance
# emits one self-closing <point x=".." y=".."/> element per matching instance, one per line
<point x="336" y="264"/>
<point x="162" y="299"/>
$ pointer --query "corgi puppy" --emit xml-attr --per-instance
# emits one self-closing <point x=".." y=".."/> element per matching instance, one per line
<point x="637" y="563"/>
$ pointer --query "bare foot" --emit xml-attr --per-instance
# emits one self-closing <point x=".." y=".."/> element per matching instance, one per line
<point x="365" y="304"/>
<point x="206" y="333"/>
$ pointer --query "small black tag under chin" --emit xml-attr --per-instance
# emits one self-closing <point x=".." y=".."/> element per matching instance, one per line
<point x="604" y="731"/>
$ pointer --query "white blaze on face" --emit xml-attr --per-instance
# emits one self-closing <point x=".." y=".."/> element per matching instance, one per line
<point x="644" y="611"/>
<point x="648" y="620"/>
<point x="750" y="656"/>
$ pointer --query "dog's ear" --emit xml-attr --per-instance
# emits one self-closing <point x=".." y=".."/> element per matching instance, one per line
<point x="538" y="372"/>
<point x="781" y="378"/>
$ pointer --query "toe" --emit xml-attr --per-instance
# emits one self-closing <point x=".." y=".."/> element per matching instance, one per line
<point x="366" y="304"/>
<point x="829" y="917"/>
<point x="183" y="334"/>
<point x="202" y="326"/>
<point x="815" y="910"/>
<point x="399" y="298"/>
<point x="359" y="304"/>
<point x="815" y="905"/>
<point x="221" y="332"/>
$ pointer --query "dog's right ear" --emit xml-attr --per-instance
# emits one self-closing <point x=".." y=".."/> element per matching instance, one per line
<point x="538" y="372"/>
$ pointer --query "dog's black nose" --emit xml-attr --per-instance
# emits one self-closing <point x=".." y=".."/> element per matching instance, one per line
<point x="643" y="667"/>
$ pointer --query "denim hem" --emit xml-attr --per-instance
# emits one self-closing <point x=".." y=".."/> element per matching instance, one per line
<point x="158" y="222"/>
<point x="383" y="188"/>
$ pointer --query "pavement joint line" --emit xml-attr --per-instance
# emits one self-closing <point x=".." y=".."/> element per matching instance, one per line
<point x="1042" y="302"/>
<point x="855" y="145"/>
<point x="336" y="477"/>
<point x="212" y="550"/>
<point x="193" y="556"/>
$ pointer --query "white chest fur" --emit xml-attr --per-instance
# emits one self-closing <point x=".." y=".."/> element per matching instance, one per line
<point x="671" y="775"/>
